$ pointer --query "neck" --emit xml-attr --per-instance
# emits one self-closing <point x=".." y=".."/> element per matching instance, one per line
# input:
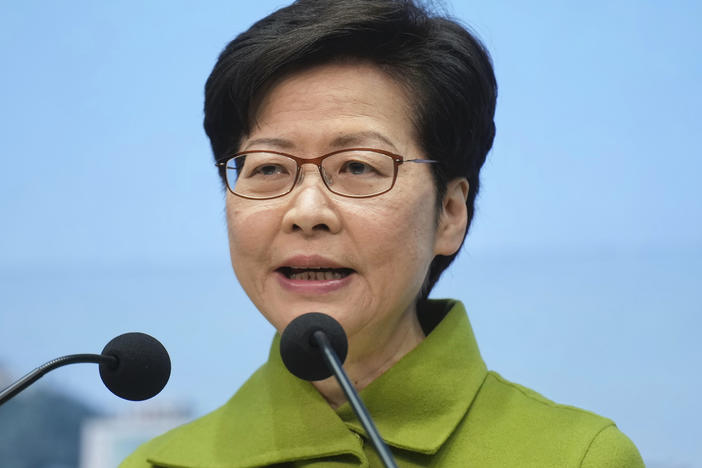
<point x="364" y="367"/>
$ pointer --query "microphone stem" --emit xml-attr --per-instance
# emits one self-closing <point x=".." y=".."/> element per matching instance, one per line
<point x="359" y="408"/>
<point x="16" y="387"/>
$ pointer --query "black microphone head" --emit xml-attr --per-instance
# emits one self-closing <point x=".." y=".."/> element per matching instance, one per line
<point x="142" y="370"/>
<point x="300" y="353"/>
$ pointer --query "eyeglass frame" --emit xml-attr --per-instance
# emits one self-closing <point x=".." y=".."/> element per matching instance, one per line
<point x="396" y="158"/>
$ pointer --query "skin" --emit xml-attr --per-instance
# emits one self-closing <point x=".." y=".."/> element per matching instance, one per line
<point x="388" y="240"/>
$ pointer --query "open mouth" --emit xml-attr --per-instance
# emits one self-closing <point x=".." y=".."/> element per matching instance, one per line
<point x="315" y="274"/>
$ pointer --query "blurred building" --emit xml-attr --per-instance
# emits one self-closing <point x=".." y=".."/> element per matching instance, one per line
<point x="40" y="427"/>
<point x="106" y="440"/>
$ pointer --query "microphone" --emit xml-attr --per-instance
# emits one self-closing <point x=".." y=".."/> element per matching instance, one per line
<point x="313" y="347"/>
<point x="143" y="366"/>
<point x="133" y="366"/>
<point x="301" y="354"/>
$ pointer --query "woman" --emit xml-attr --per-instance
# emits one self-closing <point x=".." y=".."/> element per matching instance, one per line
<point x="350" y="136"/>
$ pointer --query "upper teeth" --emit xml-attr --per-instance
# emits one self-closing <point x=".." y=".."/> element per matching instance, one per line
<point x="316" y="275"/>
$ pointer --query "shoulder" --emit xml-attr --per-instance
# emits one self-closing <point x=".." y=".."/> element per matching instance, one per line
<point x="515" y="401"/>
<point x="611" y="448"/>
<point x="541" y="432"/>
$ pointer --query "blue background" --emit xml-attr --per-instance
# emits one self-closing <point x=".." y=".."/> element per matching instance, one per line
<point x="582" y="272"/>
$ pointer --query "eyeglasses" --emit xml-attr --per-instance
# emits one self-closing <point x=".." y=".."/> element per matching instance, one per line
<point x="350" y="172"/>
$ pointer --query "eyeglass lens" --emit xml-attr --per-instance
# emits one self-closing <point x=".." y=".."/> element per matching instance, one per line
<point x="352" y="173"/>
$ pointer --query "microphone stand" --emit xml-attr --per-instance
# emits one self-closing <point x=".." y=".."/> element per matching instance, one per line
<point x="332" y="360"/>
<point x="16" y="387"/>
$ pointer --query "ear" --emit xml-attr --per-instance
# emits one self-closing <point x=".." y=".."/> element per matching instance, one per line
<point x="453" y="219"/>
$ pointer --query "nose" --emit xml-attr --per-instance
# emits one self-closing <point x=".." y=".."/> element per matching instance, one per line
<point x="310" y="210"/>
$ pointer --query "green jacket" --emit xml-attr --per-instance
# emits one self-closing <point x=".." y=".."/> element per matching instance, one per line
<point x="437" y="406"/>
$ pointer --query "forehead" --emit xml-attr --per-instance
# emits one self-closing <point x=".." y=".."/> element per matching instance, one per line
<point x="351" y="103"/>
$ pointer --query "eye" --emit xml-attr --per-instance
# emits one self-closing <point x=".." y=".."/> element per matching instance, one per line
<point x="357" y="168"/>
<point x="265" y="166"/>
<point x="268" y="170"/>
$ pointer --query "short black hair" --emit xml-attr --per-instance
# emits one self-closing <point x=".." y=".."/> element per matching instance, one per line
<point x="446" y="70"/>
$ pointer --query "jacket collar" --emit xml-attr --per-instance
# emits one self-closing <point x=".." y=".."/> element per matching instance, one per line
<point x="276" y="418"/>
<point x="418" y="402"/>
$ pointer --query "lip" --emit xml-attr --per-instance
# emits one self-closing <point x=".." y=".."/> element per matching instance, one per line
<point x="307" y="287"/>
<point x="310" y="261"/>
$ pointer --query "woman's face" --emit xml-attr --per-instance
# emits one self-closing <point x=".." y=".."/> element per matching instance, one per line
<point x="362" y="261"/>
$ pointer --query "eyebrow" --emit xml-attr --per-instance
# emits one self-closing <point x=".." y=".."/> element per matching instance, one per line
<point x="347" y="140"/>
<point x="360" y="138"/>
<point x="280" y="143"/>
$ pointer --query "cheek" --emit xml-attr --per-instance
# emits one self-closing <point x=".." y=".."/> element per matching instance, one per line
<point x="398" y="235"/>
<point x="250" y="230"/>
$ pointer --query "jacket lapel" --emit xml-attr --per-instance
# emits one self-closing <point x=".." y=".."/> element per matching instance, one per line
<point x="418" y="403"/>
